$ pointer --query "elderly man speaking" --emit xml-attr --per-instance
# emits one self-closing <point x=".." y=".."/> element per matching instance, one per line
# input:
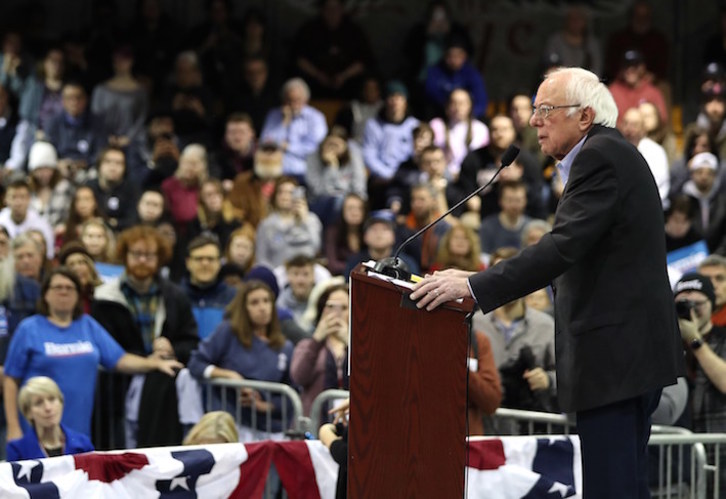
<point x="616" y="337"/>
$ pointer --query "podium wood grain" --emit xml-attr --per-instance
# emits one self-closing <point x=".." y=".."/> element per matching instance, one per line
<point x="407" y="436"/>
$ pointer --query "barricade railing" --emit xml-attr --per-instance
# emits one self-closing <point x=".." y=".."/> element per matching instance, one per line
<point x="316" y="415"/>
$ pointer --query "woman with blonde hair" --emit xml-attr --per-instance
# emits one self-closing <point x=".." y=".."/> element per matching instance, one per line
<point x="214" y="213"/>
<point x="459" y="249"/>
<point x="41" y="402"/>
<point x="216" y="427"/>
<point x="249" y="344"/>
<point x="98" y="239"/>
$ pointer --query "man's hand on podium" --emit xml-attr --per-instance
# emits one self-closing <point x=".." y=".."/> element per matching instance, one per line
<point x="440" y="287"/>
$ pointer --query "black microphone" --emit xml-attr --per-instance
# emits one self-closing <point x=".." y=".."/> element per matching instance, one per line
<point x="395" y="267"/>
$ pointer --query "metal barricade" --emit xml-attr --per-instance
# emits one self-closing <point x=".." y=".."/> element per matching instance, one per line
<point x="228" y="388"/>
<point x="316" y="416"/>
<point x="532" y="422"/>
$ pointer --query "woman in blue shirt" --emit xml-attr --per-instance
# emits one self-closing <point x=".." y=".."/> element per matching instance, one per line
<point x="249" y="344"/>
<point x="66" y="345"/>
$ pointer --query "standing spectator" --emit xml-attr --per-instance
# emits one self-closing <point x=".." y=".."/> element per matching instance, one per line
<point x="66" y="345"/>
<point x="459" y="249"/>
<point x="708" y="200"/>
<point x="249" y="345"/>
<point x="632" y="127"/>
<point x="256" y="95"/>
<point x="151" y="208"/>
<point x="208" y="294"/>
<point x="150" y="316"/>
<point x="332" y="52"/>
<point x="290" y="229"/>
<point x="116" y="192"/>
<point x="714" y="267"/>
<point x="51" y="193"/>
<point x="505" y="228"/>
<point x="18" y="217"/>
<point x="658" y="130"/>
<point x="321" y="362"/>
<point x="455" y="70"/>
<point x="296" y="127"/>
<point x="75" y="133"/>
<point x="300" y="272"/>
<point x="575" y="45"/>
<point x="459" y="133"/>
<point x="632" y="87"/>
<point x="335" y="170"/>
<point x="237" y="152"/>
<point x="40" y="100"/>
<point x="695" y="301"/>
<point x="712" y="117"/>
<point x="239" y="254"/>
<point x="181" y="191"/>
<point x="424" y="210"/>
<point x="388" y="142"/>
<point x="641" y="35"/>
<point x="121" y="103"/>
<point x="345" y="238"/>
<point x="358" y="111"/>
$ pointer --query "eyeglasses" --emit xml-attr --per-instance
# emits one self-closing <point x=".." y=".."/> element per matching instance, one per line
<point x="543" y="110"/>
<point x="61" y="287"/>
<point x="138" y="255"/>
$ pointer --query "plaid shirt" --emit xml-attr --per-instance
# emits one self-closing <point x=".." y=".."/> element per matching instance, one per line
<point x="58" y="206"/>
<point x="143" y="307"/>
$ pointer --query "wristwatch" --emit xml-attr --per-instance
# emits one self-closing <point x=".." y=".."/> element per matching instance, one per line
<point x="696" y="343"/>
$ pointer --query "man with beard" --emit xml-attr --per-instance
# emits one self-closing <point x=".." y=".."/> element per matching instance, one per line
<point x="148" y="315"/>
<point x="115" y="193"/>
<point x="18" y="296"/>
<point x="252" y="190"/>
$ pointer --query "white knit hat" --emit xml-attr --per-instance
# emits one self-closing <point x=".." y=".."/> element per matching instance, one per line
<point x="42" y="154"/>
<point x="704" y="160"/>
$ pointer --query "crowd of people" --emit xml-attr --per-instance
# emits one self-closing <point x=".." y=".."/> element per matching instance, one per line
<point x="186" y="199"/>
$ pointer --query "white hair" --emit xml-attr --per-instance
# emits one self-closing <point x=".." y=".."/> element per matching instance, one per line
<point x="292" y="83"/>
<point x="197" y="150"/>
<point x="7" y="277"/>
<point x="585" y="88"/>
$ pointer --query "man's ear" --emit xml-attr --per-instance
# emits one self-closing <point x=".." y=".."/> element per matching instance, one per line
<point x="587" y="117"/>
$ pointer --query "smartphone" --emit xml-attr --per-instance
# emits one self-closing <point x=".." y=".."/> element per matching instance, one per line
<point x="299" y="192"/>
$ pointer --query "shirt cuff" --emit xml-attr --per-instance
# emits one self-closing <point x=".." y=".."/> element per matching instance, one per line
<point x="471" y="292"/>
<point x="208" y="371"/>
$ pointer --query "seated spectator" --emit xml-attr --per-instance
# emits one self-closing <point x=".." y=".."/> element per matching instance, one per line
<point x="632" y="126"/>
<point x="335" y="170"/>
<point x="290" y="229"/>
<point x="332" y="52"/>
<point x="424" y="210"/>
<point x="215" y="427"/>
<point x="151" y="208"/>
<point x="116" y="192"/>
<point x="533" y="232"/>
<point x="459" y="249"/>
<point x="181" y="191"/>
<point x="712" y="118"/>
<point x="379" y="238"/>
<point x="239" y="254"/>
<point x="296" y="127"/>
<point x="412" y="171"/>
<point x="98" y="239"/>
<point x="459" y="132"/>
<point x="522" y="341"/>
<point x="505" y="228"/>
<point x="150" y="316"/>
<point x="28" y="257"/>
<point x="658" y="130"/>
<point x="18" y="217"/>
<point x="15" y="62"/>
<point x="300" y="281"/>
<point x="121" y="102"/>
<point x="455" y="70"/>
<point x="237" y="151"/>
<point x="214" y="213"/>
<point x="75" y="134"/>
<point x="321" y="362"/>
<point x="696" y="140"/>
<point x="13" y="140"/>
<point x="345" y="238"/>
<point x="249" y="344"/>
<point x="714" y="267"/>
<point x="157" y="157"/>
<point x="256" y="95"/>
<point x="388" y="142"/>
<point x="66" y="345"/>
<point x="251" y="194"/>
<point x="51" y="193"/>
<point x="41" y="403"/>
<point x="575" y="44"/>
<point x="76" y="257"/>
<point x="520" y="112"/>
<point x="633" y="87"/>
<point x="208" y="294"/>
<point x="189" y="99"/>
<point x="708" y="200"/>
<point x="679" y="228"/>
<point x="83" y="208"/>
<point x="353" y="116"/>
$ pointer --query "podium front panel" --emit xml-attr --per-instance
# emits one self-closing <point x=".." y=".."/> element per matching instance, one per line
<point x="407" y="434"/>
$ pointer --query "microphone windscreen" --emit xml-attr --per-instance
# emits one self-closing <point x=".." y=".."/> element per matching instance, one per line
<point x="510" y="155"/>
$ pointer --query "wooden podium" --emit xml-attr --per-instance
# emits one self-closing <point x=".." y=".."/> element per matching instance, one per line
<point x="407" y="435"/>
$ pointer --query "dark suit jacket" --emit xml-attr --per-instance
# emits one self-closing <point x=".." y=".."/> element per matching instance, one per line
<point x="616" y="334"/>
